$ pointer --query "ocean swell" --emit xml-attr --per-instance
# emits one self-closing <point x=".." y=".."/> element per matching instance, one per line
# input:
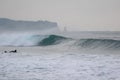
<point x="98" y="43"/>
<point x="49" y="40"/>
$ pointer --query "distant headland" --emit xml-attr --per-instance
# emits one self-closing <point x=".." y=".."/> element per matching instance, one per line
<point x="20" y="25"/>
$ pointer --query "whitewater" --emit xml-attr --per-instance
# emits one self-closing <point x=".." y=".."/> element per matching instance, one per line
<point x="68" y="56"/>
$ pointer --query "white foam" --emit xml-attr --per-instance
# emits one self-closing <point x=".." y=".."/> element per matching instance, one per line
<point x="52" y="64"/>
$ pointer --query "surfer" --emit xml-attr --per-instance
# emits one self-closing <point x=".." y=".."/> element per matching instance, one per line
<point x="13" y="51"/>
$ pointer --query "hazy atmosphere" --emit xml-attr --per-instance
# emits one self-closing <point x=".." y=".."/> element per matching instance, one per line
<point x="59" y="39"/>
<point x="75" y="14"/>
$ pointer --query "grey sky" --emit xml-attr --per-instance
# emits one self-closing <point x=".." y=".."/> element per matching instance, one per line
<point x="76" y="14"/>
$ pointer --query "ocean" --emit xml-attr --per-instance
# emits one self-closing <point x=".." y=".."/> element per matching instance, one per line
<point x="61" y="56"/>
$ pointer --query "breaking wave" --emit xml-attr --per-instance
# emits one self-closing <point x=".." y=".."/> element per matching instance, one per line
<point x="49" y="40"/>
<point x="30" y="40"/>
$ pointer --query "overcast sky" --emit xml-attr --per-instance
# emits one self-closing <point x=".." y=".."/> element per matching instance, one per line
<point x="75" y="14"/>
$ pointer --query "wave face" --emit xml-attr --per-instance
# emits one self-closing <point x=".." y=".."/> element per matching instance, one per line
<point x="98" y="43"/>
<point x="52" y="40"/>
<point x="49" y="40"/>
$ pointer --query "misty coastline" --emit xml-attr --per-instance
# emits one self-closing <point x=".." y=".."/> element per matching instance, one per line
<point x="9" y="25"/>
